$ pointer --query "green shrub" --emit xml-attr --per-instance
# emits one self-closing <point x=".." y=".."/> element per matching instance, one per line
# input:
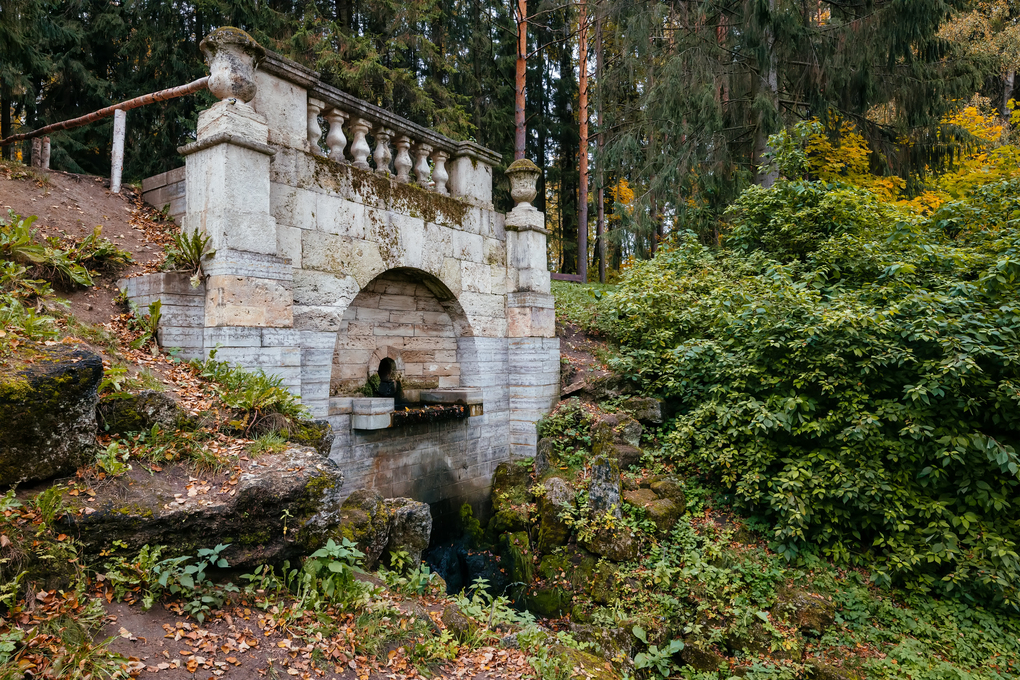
<point x="864" y="393"/>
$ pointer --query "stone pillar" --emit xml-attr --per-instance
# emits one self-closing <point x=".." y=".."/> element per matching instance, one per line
<point x="534" y="349"/>
<point x="249" y="302"/>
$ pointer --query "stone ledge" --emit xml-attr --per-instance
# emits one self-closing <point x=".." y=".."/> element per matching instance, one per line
<point x="225" y="138"/>
<point x="372" y="406"/>
<point x="375" y="422"/>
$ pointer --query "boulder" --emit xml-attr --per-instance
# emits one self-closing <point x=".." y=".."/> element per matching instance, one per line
<point x="137" y="412"/>
<point x="645" y="409"/>
<point x="548" y="602"/>
<point x="283" y="505"/>
<point x="315" y="433"/>
<point x="583" y="665"/>
<point x="816" y="670"/>
<point x="604" y="489"/>
<point x="811" y="613"/>
<point x="627" y="456"/>
<point x="557" y="501"/>
<point x="662" y="511"/>
<point x="47" y="413"/>
<point x="629" y="431"/>
<point x="364" y="520"/>
<point x="671" y="489"/>
<point x="615" y="645"/>
<point x="511" y="499"/>
<point x="701" y="657"/>
<point x="463" y="628"/>
<point x="614" y="543"/>
<point x="516" y="556"/>
<point x="544" y="455"/>
<point x="757" y="640"/>
<point x="410" y="528"/>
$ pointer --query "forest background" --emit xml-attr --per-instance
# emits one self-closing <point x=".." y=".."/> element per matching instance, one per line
<point x="680" y="97"/>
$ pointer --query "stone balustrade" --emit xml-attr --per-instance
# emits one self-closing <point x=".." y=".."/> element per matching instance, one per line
<point x="350" y="130"/>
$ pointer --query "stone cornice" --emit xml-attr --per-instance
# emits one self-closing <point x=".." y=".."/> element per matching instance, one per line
<point x="225" y="138"/>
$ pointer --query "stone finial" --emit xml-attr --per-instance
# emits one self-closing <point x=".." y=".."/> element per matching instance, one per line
<point x="523" y="176"/>
<point x="232" y="56"/>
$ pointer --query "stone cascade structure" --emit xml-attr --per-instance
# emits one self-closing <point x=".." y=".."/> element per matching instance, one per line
<point x="346" y="236"/>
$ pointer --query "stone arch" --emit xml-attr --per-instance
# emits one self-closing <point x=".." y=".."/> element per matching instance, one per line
<point x="408" y="316"/>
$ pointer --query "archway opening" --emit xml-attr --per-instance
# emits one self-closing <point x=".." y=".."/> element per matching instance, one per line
<point x="402" y="327"/>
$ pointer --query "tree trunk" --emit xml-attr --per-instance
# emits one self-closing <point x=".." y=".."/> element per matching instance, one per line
<point x="600" y="220"/>
<point x="582" y="154"/>
<point x="5" y="121"/>
<point x="769" y="85"/>
<point x="520" y="78"/>
<point x="1007" y="92"/>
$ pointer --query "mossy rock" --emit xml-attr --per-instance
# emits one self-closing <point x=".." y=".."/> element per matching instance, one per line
<point x="48" y="413"/>
<point x="701" y="656"/>
<point x="364" y="520"/>
<point x="614" y="543"/>
<point x="615" y="645"/>
<point x="604" y="490"/>
<point x="460" y="626"/>
<point x="550" y="602"/>
<point x="667" y="487"/>
<point x="282" y="507"/>
<point x="557" y="501"/>
<point x="645" y="409"/>
<point x="584" y="665"/>
<point x="511" y="499"/>
<point x="811" y="613"/>
<point x="315" y="433"/>
<point x="817" y="670"/>
<point x="121" y="413"/>
<point x="517" y="558"/>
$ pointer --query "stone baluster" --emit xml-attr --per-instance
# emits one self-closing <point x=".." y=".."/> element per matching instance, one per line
<point x="382" y="150"/>
<point x="402" y="163"/>
<point x="439" y="174"/>
<point x="359" y="147"/>
<point x="335" y="139"/>
<point x="421" y="164"/>
<point x="315" y="107"/>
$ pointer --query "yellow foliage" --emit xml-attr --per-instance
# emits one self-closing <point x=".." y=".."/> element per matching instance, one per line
<point x="621" y="193"/>
<point x="846" y="160"/>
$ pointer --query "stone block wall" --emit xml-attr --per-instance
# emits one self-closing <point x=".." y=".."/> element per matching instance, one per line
<point x="167" y="189"/>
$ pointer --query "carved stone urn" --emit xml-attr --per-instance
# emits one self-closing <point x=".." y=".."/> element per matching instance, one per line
<point x="523" y="176"/>
<point x="232" y="56"/>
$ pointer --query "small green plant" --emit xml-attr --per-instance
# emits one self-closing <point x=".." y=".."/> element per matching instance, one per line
<point x="148" y="324"/>
<point x="407" y="577"/>
<point x="655" y="659"/>
<point x="187" y="253"/>
<point x="271" y="442"/>
<point x="113" y="459"/>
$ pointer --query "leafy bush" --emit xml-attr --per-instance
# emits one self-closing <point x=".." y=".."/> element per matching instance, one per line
<point x="855" y="376"/>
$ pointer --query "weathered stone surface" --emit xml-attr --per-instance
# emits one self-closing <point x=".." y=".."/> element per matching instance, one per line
<point x="604" y="489"/>
<point x="616" y="544"/>
<point x="812" y="613"/>
<point x="663" y="511"/>
<point x="627" y="456"/>
<point x="283" y="505"/>
<point x="557" y="500"/>
<point x="645" y="409"/>
<point x="671" y="489"/>
<point x="511" y="498"/>
<point x="629" y="431"/>
<point x="817" y="670"/>
<point x="364" y="520"/>
<point x="615" y="645"/>
<point x="462" y="627"/>
<point x="137" y="412"/>
<point x="315" y="433"/>
<point x="701" y="657"/>
<point x="518" y="560"/>
<point x="48" y="414"/>
<point x="544" y="456"/>
<point x="756" y="639"/>
<point x="410" y="527"/>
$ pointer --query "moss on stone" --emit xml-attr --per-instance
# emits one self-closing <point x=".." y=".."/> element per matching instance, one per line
<point x="407" y="198"/>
